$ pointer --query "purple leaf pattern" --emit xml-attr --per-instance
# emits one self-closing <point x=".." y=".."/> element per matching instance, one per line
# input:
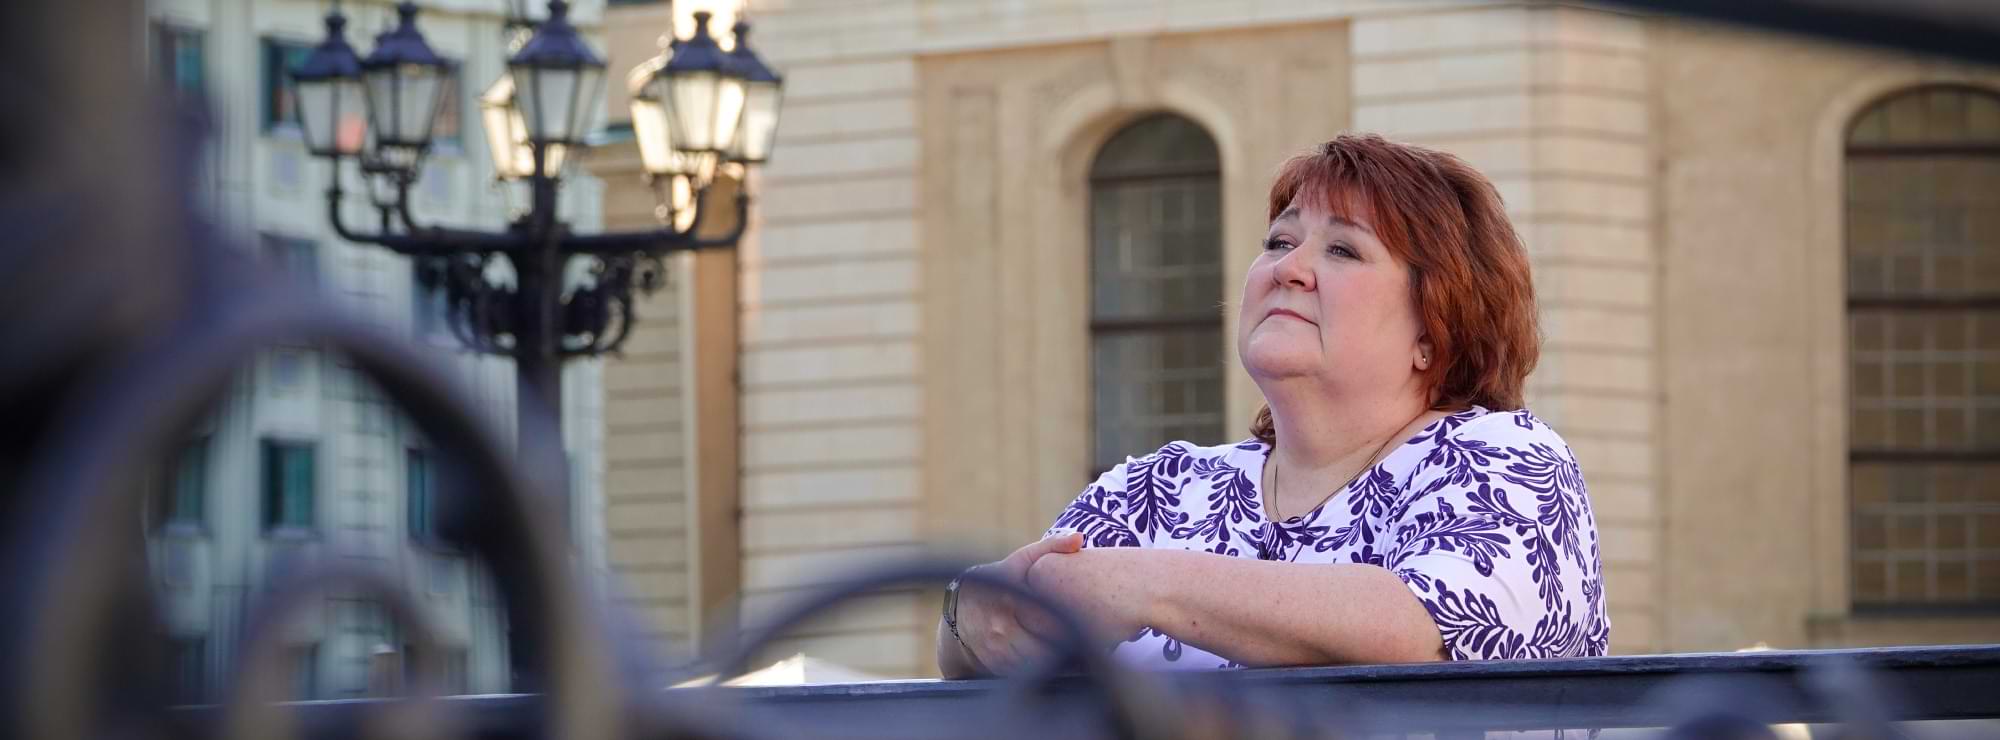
<point x="1098" y="516"/>
<point x="1153" y="489"/>
<point x="1232" y="501"/>
<point x="1483" y="515"/>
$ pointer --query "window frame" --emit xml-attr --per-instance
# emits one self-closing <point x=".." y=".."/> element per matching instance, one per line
<point x="456" y="662"/>
<point x="274" y="65"/>
<point x="270" y="242"/>
<point x="1170" y="323"/>
<point x="420" y="508"/>
<point x="305" y="677"/>
<point x="165" y="59"/>
<point x="1902" y="305"/>
<point x="179" y="649"/>
<point x="270" y="500"/>
<point x="168" y="515"/>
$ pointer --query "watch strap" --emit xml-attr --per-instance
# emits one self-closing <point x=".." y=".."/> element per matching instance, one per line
<point x="951" y="591"/>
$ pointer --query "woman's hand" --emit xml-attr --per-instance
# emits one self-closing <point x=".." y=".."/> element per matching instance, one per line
<point x="990" y="620"/>
<point x="1102" y="586"/>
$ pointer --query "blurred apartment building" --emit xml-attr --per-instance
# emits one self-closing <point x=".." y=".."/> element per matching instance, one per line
<point x="988" y="244"/>
<point x="304" y="458"/>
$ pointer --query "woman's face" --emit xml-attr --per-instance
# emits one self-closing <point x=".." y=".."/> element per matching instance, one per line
<point x="1327" y="300"/>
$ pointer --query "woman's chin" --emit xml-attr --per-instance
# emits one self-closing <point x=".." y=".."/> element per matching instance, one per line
<point x="1279" y="361"/>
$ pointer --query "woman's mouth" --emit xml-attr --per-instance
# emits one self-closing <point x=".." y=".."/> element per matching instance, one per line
<point x="1287" y="313"/>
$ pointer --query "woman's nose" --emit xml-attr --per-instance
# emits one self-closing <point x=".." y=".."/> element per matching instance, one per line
<point x="1294" y="269"/>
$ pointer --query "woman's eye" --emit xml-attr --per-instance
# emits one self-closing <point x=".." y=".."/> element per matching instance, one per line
<point x="1276" y="243"/>
<point x="1342" y="250"/>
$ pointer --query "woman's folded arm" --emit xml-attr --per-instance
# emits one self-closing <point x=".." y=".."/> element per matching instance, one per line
<point x="1253" y="612"/>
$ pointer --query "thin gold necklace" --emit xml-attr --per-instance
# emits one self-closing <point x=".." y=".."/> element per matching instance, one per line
<point x="1372" y="459"/>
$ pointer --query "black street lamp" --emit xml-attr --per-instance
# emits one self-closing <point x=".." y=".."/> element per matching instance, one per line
<point x="695" y="109"/>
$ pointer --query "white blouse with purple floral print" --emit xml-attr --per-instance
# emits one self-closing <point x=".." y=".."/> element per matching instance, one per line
<point x="1482" y="514"/>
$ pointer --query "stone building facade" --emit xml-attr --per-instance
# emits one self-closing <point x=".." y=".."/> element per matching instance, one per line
<point x="916" y="326"/>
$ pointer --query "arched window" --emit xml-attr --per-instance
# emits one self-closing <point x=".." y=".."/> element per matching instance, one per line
<point x="1156" y="338"/>
<point x="1923" y="287"/>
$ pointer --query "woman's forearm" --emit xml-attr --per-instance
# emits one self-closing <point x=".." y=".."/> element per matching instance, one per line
<point x="1263" y="613"/>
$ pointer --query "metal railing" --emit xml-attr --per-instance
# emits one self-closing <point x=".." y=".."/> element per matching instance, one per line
<point x="118" y="331"/>
<point x="1866" y="693"/>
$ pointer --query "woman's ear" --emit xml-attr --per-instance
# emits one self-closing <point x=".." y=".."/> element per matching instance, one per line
<point x="1424" y="356"/>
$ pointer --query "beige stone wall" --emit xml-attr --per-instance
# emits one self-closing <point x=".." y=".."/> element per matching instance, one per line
<point x="1552" y="104"/>
<point x="647" y="470"/>
<point x="648" y="474"/>
<point x="1751" y="130"/>
<point x="830" y="370"/>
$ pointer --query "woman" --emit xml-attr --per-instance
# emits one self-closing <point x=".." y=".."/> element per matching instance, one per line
<point x="1395" y="504"/>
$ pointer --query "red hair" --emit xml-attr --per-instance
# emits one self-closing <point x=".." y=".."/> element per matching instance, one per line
<point x="1469" y="276"/>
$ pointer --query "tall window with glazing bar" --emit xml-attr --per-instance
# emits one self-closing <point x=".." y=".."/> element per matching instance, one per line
<point x="1156" y="335"/>
<point x="1923" y="300"/>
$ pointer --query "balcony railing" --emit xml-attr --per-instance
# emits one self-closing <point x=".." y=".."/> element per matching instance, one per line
<point x="1870" y="693"/>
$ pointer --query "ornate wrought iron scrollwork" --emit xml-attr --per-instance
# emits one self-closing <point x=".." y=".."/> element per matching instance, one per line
<point x="478" y="312"/>
<point x="598" y="316"/>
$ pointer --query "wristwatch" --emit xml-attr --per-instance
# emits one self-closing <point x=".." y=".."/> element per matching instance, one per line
<point x="951" y="614"/>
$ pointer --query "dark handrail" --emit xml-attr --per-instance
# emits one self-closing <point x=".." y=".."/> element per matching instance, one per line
<point x="1772" y="687"/>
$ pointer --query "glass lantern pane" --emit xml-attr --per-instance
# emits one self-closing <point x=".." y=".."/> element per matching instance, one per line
<point x="545" y="100"/>
<point x="728" y="112"/>
<point x="759" y="129"/>
<point x="523" y="158"/>
<point x="555" y="157"/>
<point x="382" y="104"/>
<point x="351" y="103"/>
<point x="498" y="125"/>
<point x="416" y="104"/>
<point x="692" y="100"/>
<point x="501" y="121"/>
<point x="331" y="114"/>
<point x="654" y="135"/>
<point x="586" y="100"/>
<point x="318" y="107"/>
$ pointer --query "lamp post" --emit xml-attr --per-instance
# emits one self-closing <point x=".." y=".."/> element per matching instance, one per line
<point x="695" y="109"/>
